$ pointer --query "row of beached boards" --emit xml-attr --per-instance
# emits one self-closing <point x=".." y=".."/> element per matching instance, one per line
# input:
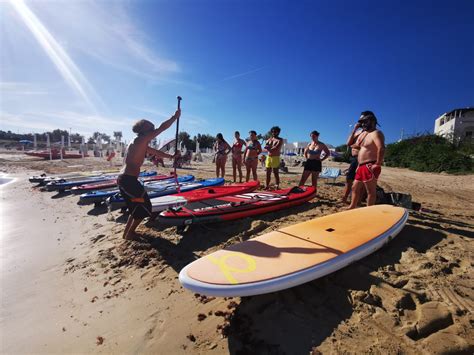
<point x="271" y="262"/>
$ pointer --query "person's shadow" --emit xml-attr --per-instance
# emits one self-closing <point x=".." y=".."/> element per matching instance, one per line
<point x="294" y="321"/>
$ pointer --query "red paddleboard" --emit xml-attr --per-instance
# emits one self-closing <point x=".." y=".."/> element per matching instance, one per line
<point x="113" y="183"/>
<point x="161" y="203"/>
<point x="237" y="206"/>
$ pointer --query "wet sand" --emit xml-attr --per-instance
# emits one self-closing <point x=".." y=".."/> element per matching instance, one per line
<point x="71" y="284"/>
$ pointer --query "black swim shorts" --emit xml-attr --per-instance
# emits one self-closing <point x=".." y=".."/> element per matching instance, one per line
<point x="351" y="172"/>
<point x="313" y="165"/>
<point x="135" y="196"/>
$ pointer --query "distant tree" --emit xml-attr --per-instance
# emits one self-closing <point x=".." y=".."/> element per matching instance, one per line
<point x="264" y="137"/>
<point x="76" y="138"/>
<point x="205" y="140"/>
<point x="118" y="135"/>
<point x="55" y="135"/>
<point x="185" y="138"/>
<point x="105" y="138"/>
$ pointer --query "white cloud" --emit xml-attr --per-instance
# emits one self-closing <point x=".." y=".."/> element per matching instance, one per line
<point x="20" y="89"/>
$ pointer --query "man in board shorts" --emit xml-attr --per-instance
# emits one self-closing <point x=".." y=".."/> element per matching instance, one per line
<point x="136" y="198"/>
<point x="272" y="163"/>
<point x="371" y="145"/>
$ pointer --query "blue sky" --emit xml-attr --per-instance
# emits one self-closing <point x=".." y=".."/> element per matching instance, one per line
<point x="238" y="65"/>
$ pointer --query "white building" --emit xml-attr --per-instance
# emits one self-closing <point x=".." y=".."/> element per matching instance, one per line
<point x="458" y="124"/>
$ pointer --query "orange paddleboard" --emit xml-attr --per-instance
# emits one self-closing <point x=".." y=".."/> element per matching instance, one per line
<point x="294" y="255"/>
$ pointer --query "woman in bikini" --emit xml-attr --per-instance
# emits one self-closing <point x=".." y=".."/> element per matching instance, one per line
<point x="252" y="150"/>
<point x="312" y="165"/>
<point x="222" y="148"/>
<point x="237" y="156"/>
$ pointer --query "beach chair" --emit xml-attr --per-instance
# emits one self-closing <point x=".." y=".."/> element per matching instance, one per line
<point x="330" y="173"/>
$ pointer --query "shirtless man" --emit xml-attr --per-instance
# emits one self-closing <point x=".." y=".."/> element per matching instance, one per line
<point x="136" y="198"/>
<point x="272" y="163"/>
<point x="371" y="145"/>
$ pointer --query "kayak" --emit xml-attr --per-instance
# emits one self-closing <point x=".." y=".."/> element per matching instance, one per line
<point x="113" y="183"/>
<point x="117" y="200"/>
<point x="161" y="203"/>
<point x="237" y="206"/>
<point x="102" y="195"/>
<point x="65" y="185"/>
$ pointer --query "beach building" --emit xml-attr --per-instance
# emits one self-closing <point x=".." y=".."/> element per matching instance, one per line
<point x="295" y="147"/>
<point x="456" y="124"/>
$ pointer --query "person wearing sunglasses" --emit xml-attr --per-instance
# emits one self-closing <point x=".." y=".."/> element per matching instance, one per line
<point x="371" y="145"/>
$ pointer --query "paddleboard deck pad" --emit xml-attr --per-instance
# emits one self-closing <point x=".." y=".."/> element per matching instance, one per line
<point x="157" y="203"/>
<point x="113" y="183"/>
<point x="236" y="206"/>
<point x="117" y="200"/>
<point x="296" y="254"/>
<point x="102" y="195"/>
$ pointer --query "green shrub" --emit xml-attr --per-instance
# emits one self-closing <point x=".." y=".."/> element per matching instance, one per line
<point x="428" y="153"/>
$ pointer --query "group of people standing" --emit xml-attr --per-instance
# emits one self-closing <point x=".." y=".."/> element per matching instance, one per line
<point x="366" y="143"/>
<point x="315" y="153"/>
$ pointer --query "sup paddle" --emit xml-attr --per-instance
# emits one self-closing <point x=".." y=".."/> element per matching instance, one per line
<point x="176" y="145"/>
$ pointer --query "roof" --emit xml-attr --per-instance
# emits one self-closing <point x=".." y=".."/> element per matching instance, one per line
<point x="463" y="111"/>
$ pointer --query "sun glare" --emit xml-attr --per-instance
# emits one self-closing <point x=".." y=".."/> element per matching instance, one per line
<point x="62" y="61"/>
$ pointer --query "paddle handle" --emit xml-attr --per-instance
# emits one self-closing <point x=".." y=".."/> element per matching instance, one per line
<point x="179" y="98"/>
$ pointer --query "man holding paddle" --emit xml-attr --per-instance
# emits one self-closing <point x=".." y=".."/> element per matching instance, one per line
<point x="132" y="190"/>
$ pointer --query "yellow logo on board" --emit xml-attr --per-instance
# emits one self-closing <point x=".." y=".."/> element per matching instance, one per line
<point x="227" y="270"/>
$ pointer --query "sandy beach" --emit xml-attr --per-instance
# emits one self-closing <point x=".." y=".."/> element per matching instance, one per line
<point x="71" y="284"/>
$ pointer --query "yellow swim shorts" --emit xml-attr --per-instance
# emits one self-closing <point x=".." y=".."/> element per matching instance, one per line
<point x="272" y="162"/>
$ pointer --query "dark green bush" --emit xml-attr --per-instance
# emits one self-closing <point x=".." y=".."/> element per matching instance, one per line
<point x="428" y="153"/>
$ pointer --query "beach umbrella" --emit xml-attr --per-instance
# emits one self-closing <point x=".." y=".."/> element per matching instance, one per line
<point x="25" y="141"/>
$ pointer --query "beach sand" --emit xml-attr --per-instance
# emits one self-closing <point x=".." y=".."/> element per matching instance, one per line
<point x="70" y="284"/>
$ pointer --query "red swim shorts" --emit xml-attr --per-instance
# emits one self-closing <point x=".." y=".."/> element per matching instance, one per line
<point x="366" y="173"/>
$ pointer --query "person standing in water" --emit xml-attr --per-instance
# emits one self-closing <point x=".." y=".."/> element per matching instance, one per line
<point x="136" y="198"/>
<point x="252" y="150"/>
<point x="273" y="147"/>
<point x="222" y="149"/>
<point x="312" y="165"/>
<point x="237" y="156"/>
<point x="371" y="145"/>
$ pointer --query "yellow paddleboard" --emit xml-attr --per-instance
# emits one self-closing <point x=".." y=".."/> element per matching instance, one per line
<point x="294" y="255"/>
